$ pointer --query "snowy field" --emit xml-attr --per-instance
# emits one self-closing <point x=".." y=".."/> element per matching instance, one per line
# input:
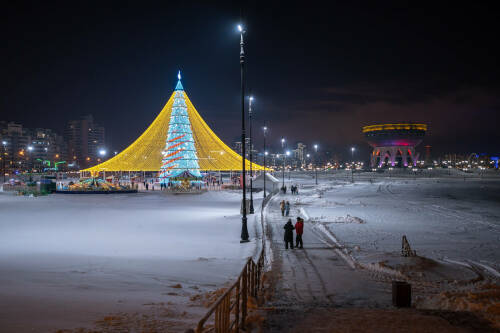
<point x="443" y="218"/>
<point x="451" y="219"/>
<point x="67" y="261"/>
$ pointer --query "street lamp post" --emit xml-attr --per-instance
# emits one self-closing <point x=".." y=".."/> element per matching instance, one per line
<point x="265" y="153"/>
<point x="284" y="157"/>
<point x="30" y="159"/>
<point x="244" y="228"/>
<point x="289" y="171"/>
<point x="251" y="156"/>
<point x="315" y="163"/>
<point x="102" y="152"/>
<point x="4" y="143"/>
<point x="352" y="166"/>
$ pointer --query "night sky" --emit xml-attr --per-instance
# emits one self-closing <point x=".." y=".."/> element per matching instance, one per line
<point x="318" y="74"/>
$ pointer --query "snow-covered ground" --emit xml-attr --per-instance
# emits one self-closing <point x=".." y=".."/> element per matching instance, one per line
<point x="442" y="218"/>
<point x="67" y="261"/>
<point x="353" y="235"/>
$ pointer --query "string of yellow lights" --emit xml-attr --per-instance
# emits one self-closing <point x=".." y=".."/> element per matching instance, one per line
<point x="145" y="153"/>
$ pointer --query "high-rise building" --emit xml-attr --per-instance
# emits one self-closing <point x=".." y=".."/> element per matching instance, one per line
<point x="84" y="139"/>
<point x="238" y="148"/>
<point x="47" y="146"/>
<point x="300" y="153"/>
<point x="25" y="148"/>
<point x="17" y="139"/>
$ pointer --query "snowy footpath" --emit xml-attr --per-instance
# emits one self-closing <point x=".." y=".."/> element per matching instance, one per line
<point x="316" y="275"/>
<point x="115" y="263"/>
<point x="352" y="248"/>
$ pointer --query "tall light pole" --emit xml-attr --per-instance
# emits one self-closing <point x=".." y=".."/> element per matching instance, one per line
<point x="102" y="153"/>
<point x="284" y="157"/>
<point x="4" y="143"/>
<point x="250" y="100"/>
<point x="288" y="154"/>
<point x="352" y="166"/>
<point x="30" y="149"/>
<point x="265" y="153"/>
<point x="244" y="228"/>
<point x="315" y="163"/>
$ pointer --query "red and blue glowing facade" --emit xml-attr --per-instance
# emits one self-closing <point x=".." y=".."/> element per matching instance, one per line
<point x="394" y="143"/>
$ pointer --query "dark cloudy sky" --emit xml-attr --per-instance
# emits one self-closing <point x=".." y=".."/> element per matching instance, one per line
<point x="318" y="73"/>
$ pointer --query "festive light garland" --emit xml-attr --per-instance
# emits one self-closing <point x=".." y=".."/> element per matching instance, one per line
<point x="145" y="153"/>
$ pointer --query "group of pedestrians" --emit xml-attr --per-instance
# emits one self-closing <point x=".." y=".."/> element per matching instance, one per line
<point x="289" y="227"/>
<point x="283" y="189"/>
<point x="299" y="230"/>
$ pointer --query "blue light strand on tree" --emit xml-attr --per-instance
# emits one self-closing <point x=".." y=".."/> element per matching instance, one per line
<point x="179" y="155"/>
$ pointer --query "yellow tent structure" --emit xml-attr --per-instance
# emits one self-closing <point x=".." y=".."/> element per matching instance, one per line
<point x="145" y="153"/>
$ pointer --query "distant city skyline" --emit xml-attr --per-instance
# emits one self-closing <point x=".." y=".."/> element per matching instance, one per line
<point x="321" y="81"/>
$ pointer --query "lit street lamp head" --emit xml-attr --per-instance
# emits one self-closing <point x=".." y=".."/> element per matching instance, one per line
<point x="4" y="143"/>
<point x="102" y="152"/>
<point x="30" y="148"/>
<point x="240" y="28"/>
<point x="287" y="153"/>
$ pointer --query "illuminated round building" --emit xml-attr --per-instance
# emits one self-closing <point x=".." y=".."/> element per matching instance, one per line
<point x="394" y="144"/>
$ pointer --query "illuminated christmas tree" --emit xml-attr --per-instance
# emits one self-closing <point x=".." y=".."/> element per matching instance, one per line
<point x="150" y="153"/>
<point x="180" y="160"/>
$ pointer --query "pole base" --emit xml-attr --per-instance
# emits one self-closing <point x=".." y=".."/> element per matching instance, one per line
<point x="244" y="241"/>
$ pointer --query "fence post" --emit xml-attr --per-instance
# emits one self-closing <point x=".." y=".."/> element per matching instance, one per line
<point x="244" y="297"/>
<point x="252" y="285"/>
<point x="226" y="313"/>
<point x="217" y="319"/>
<point x="258" y="274"/>
<point x="254" y="279"/>
<point x="237" y="307"/>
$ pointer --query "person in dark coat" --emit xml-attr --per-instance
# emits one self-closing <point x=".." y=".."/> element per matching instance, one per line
<point x="299" y="230"/>
<point x="287" y="208"/>
<point x="288" y="234"/>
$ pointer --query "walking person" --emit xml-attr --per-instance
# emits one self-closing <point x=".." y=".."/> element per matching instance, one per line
<point x="147" y="187"/>
<point x="282" y="207"/>
<point x="288" y="234"/>
<point x="299" y="230"/>
<point x="287" y="208"/>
